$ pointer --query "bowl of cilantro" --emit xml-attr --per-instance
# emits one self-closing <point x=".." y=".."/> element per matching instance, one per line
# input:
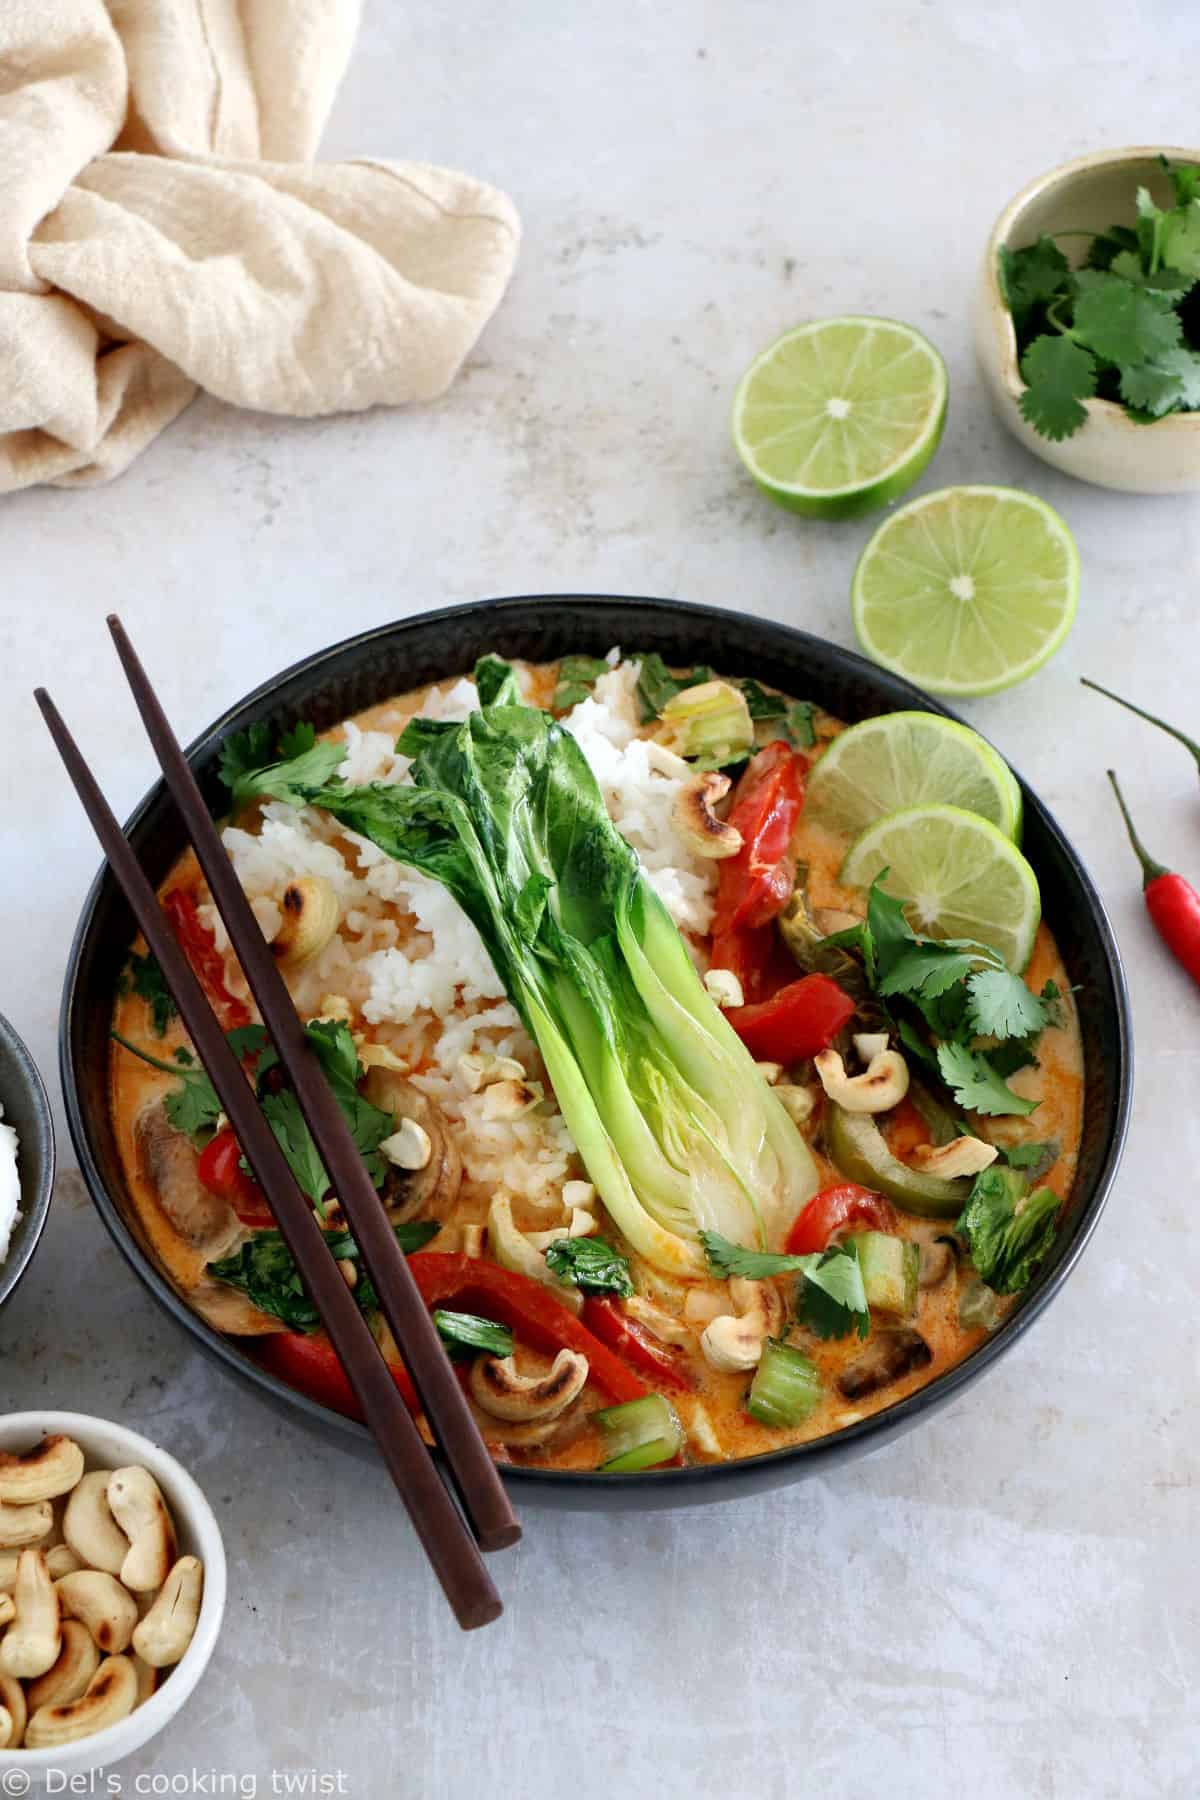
<point x="1087" y="320"/>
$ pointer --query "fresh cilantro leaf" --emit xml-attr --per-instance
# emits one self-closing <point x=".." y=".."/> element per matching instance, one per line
<point x="1185" y="179"/>
<point x="1032" y="276"/>
<point x="1011" y="1055"/>
<point x="496" y="682"/>
<point x="1059" y="377"/>
<point x="1128" y="265"/>
<point x="146" y="980"/>
<point x="929" y="968"/>
<point x="945" y="1014"/>
<point x="1173" y="380"/>
<point x="1181" y="240"/>
<point x="263" y="1269"/>
<point x="1106" y="246"/>
<point x="656" y="684"/>
<point x="247" y="771"/>
<point x="975" y="1084"/>
<point x="833" y="1301"/>
<point x="916" y="1045"/>
<point x="1125" y="324"/>
<point x="283" y="1115"/>
<point x="577" y="675"/>
<point x="183" y="1055"/>
<point x="1001" y="1005"/>
<point x="1033" y="1160"/>
<point x="334" y="1045"/>
<point x="1007" y="1230"/>
<point x="760" y="704"/>
<point x="193" y="1108"/>
<point x="1150" y="222"/>
<point x="726" y="1259"/>
<point x="467" y="1332"/>
<point x="247" y="1041"/>
<point x="298" y="741"/>
<point x="800" y="726"/>
<point x="590" y="1264"/>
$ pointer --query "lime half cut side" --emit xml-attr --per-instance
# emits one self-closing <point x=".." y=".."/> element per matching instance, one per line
<point x="905" y="759"/>
<point x="961" y="877"/>
<point x="841" y="415"/>
<point x="967" y="590"/>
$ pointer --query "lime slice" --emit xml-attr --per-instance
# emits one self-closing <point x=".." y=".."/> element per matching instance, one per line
<point x="967" y="590"/>
<point x="840" y="415"/>
<point x="961" y="877"/>
<point x="906" y="759"/>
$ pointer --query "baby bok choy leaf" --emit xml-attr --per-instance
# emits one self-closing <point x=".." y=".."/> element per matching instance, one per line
<point x="678" y="1130"/>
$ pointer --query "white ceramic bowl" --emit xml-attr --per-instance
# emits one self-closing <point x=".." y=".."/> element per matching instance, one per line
<point x="107" y="1446"/>
<point x="1112" y="451"/>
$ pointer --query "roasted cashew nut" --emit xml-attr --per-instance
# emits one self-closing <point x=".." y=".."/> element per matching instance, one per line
<point x="141" y="1512"/>
<point x="12" y="1699"/>
<point x="664" y="1325"/>
<point x="69" y="1675"/>
<point x="89" y="1526"/>
<point x="961" y="1156"/>
<point x="105" y="1607"/>
<point x="698" y="823"/>
<point x="31" y="1643"/>
<point x="502" y="1392"/>
<point x="50" y="1469"/>
<point x="883" y="1085"/>
<point x="734" y="1342"/>
<point x="111" y="1695"/>
<point x="21" y="1525"/>
<point x="166" y="1631"/>
<point x="61" y="1560"/>
<point x="8" y="1609"/>
<point x="7" y="1726"/>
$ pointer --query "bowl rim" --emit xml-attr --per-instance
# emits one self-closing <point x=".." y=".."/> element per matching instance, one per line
<point x="34" y="1212"/>
<point x="814" y="1454"/>
<point x="145" y="1721"/>
<point x="1185" y="423"/>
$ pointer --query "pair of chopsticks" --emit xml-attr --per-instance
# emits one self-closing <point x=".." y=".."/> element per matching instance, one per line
<point x="451" y="1542"/>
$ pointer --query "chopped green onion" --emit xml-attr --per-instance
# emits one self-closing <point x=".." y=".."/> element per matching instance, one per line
<point x="466" y="1331"/>
<point x="786" y="1386"/>
<point x="639" y="1434"/>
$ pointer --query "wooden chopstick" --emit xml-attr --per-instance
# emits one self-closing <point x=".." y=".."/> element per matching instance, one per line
<point x="447" y="1542"/>
<point x="472" y="1470"/>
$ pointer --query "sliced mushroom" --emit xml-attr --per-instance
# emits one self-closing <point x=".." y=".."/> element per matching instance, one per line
<point x="697" y="821"/>
<point x="68" y="1676"/>
<point x="20" y="1525"/>
<point x="431" y="1189"/>
<point x="12" y="1699"/>
<point x="961" y="1156"/>
<point x="168" y="1162"/>
<point x="49" y="1469"/>
<point x="734" y="1342"/>
<point x="501" y="1391"/>
<point x="937" y="1260"/>
<point x="889" y="1355"/>
<point x="31" y="1643"/>
<point x="883" y="1084"/>
<point x="111" y="1695"/>
<point x="141" y="1512"/>
<point x="90" y="1529"/>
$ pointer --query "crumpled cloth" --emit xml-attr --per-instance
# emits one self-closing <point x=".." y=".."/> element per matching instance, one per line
<point x="163" y="227"/>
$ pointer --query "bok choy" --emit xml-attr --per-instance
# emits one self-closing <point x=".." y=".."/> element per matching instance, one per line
<point x="677" y="1127"/>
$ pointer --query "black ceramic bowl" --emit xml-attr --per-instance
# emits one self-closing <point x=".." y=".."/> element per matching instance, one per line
<point x="366" y="669"/>
<point x="26" y="1108"/>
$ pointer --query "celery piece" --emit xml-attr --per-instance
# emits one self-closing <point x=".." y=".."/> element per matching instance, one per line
<point x="639" y="1434"/>
<point x="786" y="1386"/>
<point x="890" y="1267"/>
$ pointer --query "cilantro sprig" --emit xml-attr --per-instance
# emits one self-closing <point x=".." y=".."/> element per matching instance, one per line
<point x="832" y="1301"/>
<point x="1123" y="327"/>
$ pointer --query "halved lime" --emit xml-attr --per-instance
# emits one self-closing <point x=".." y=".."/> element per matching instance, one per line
<point x="840" y="415"/>
<point x="967" y="590"/>
<point x="961" y="877"/>
<point x="906" y="759"/>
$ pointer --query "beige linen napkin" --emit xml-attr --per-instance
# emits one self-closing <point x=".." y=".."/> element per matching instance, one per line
<point x="163" y="228"/>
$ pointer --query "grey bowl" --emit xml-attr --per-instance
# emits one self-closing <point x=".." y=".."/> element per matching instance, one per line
<point x="367" y="668"/>
<point x="27" y="1108"/>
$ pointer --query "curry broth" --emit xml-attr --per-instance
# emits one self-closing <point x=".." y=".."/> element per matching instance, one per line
<point x="713" y="1415"/>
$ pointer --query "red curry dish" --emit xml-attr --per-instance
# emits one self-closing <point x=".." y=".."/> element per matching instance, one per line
<point x="696" y="1150"/>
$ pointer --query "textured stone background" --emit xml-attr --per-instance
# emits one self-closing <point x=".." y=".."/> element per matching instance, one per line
<point x="1005" y="1602"/>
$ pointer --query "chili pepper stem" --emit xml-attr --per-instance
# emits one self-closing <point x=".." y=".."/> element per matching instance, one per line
<point x="1151" y="870"/>
<point x="1171" y="730"/>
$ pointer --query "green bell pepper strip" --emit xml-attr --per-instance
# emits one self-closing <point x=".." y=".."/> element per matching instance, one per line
<point x="857" y="1146"/>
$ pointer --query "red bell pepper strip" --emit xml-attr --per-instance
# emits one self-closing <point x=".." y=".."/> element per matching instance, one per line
<point x="798" y="1021"/>
<point x="200" y="947"/>
<point x="833" y="1209"/>
<point x="635" y="1346"/>
<point x="1172" y="902"/>
<point x="308" y="1361"/>
<point x="220" y="1171"/>
<point x="754" y="886"/>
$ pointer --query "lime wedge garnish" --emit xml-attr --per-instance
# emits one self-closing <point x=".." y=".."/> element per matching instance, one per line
<point x="840" y="415"/>
<point x="961" y="877"/>
<point x="907" y="759"/>
<point x="967" y="590"/>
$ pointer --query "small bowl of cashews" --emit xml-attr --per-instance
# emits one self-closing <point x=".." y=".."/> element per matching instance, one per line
<point x="112" y="1590"/>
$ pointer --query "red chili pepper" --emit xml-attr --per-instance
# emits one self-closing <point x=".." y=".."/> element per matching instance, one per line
<point x="220" y="1171"/>
<point x="798" y="1021"/>
<point x="754" y="886"/>
<point x="200" y="947"/>
<point x="635" y="1346"/>
<point x="1171" y="730"/>
<point x="1172" y="902"/>
<point x="833" y="1209"/>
